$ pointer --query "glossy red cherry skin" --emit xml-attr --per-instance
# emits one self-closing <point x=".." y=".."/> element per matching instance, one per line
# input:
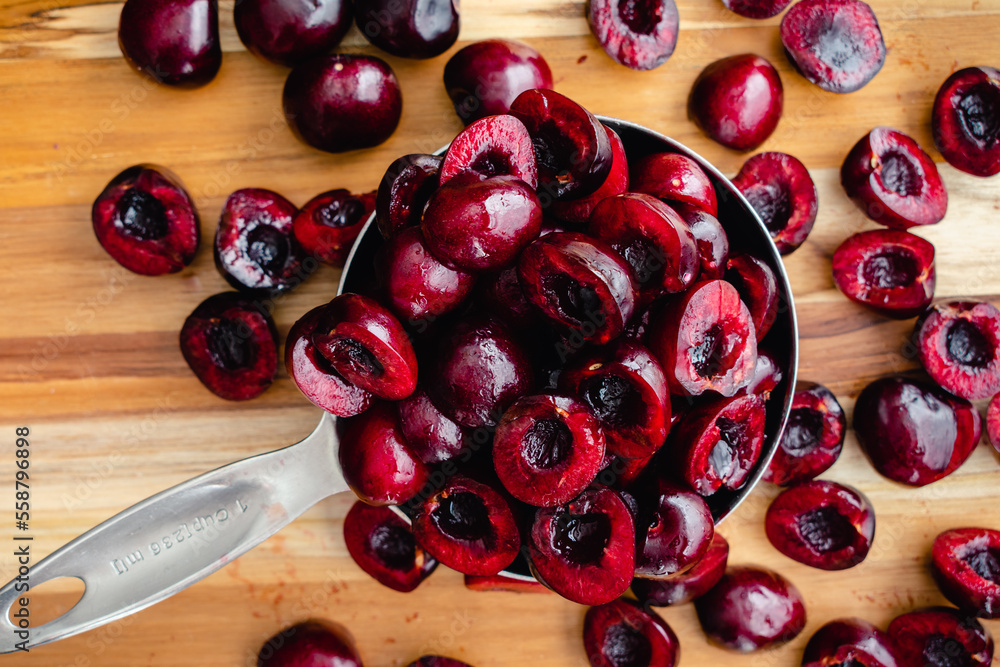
<point x="315" y="642"/>
<point x="174" y="42"/>
<point x="737" y="101"/>
<point x="408" y="28"/>
<point x="751" y="608"/>
<point x="484" y="78"/>
<point x="850" y="641"/>
<point x="688" y="585"/>
<point x="342" y="102"/>
<point x="286" y="32"/>
<point x="375" y="459"/>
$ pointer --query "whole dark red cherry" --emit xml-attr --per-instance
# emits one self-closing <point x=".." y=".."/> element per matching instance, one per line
<point x="888" y="270"/>
<point x="756" y="9"/>
<point x="376" y="460"/>
<point x="966" y="120"/>
<point x="484" y="78"/>
<point x="622" y="634"/>
<point x="585" y="550"/>
<point x="836" y="44"/>
<point x="437" y="661"/>
<point x="958" y="343"/>
<point x="850" y="641"/>
<point x="674" y="528"/>
<point x="481" y="225"/>
<point x="780" y="189"/>
<point x="286" y="32"/>
<point x="822" y="524"/>
<point x="813" y="437"/>
<point x="692" y="583"/>
<point x="327" y="226"/>
<point x="146" y="221"/>
<point x="580" y="283"/>
<point x="706" y="340"/>
<point x="737" y="101"/>
<point x="382" y="544"/>
<point x="941" y="637"/>
<point x="418" y="287"/>
<point x="914" y="432"/>
<point x="316" y="642"/>
<point x="641" y="36"/>
<point x="572" y="146"/>
<point x="431" y="435"/>
<point x="408" y="28"/>
<point x="175" y="42"/>
<point x="479" y="369"/>
<point x="255" y="249"/>
<point x="653" y="239"/>
<point x="367" y="346"/>
<point x="469" y="526"/>
<point x="342" y="102"/>
<point x="547" y="449"/>
<point x="674" y="178"/>
<point x="751" y="608"/>
<point x="757" y="286"/>
<point x="231" y="344"/>
<point x="578" y="211"/>
<point x="624" y="385"/>
<point x="313" y="374"/>
<point x="720" y="442"/>
<point x="966" y="566"/>
<point x="893" y="180"/>
<point x="403" y="192"/>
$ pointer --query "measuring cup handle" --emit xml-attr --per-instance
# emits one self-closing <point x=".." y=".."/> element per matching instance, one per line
<point x="167" y="542"/>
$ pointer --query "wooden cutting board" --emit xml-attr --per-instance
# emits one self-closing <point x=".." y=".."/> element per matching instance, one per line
<point x="89" y="357"/>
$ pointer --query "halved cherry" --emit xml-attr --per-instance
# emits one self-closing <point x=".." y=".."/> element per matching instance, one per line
<point x="941" y="637"/>
<point x="706" y="340"/>
<point x="230" y="343"/>
<point x="327" y="226"/>
<point x="813" y="438"/>
<point x="958" y="343"/>
<point x="313" y="374"/>
<point x="404" y="190"/>
<point x="622" y="634"/>
<point x="720" y="442"/>
<point x="492" y="146"/>
<point x="822" y="524"/>
<point x="585" y="549"/>
<point x="626" y="388"/>
<point x="578" y="210"/>
<point x="572" y="147"/>
<point x="579" y="282"/>
<point x="887" y="270"/>
<point x="893" y="180"/>
<point x="382" y="544"/>
<point x="146" y="221"/>
<point x="547" y="449"/>
<point x="966" y="567"/>
<point x="469" y="526"/>
<point x="653" y="239"/>
<point x="367" y="346"/>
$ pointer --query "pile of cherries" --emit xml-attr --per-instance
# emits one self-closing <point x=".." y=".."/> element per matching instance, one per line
<point x="541" y="297"/>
